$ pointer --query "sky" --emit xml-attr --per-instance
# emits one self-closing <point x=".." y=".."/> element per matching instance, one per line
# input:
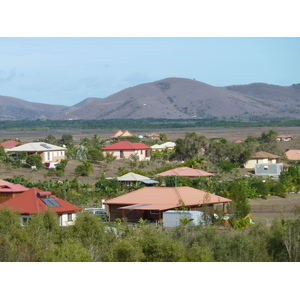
<point x="66" y="70"/>
<point x="62" y="52"/>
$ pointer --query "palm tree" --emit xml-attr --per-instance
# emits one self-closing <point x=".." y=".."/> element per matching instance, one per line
<point x="185" y="221"/>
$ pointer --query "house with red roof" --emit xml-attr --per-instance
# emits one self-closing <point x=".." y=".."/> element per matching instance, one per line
<point x="36" y="201"/>
<point x="9" y="190"/>
<point x="124" y="149"/>
<point x="284" y="138"/>
<point x="10" y="144"/>
<point x="185" y="172"/>
<point x="149" y="203"/>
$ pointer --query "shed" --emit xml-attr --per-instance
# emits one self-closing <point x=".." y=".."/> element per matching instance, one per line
<point x="172" y="217"/>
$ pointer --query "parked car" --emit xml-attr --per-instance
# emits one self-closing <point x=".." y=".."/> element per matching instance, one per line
<point x="99" y="212"/>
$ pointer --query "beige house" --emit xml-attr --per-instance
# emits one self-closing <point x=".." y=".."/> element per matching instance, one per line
<point x="125" y="149"/>
<point x="48" y="152"/>
<point x="261" y="158"/>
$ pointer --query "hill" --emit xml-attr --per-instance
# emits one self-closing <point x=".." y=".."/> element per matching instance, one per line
<point x="18" y="109"/>
<point x="179" y="98"/>
<point x="170" y="98"/>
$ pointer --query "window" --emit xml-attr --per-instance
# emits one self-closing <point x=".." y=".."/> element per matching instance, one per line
<point x="25" y="220"/>
<point x="154" y="212"/>
<point x="70" y="217"/>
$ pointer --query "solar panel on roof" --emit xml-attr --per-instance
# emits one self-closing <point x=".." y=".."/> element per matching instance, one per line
<point x="49" y="201"/>
<point x="46" y="146"/>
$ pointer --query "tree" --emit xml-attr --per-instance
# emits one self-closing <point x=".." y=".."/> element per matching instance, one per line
<point x="109" y="157"/>
<point x="81" y="152"/>
<point x="66" y="139"/>
<point x="51" y="139"/>
<point x="191" y="146"/>
<point x="35" y="160"/>
<point x="238" y="195"/>
<point x="163" y="137"/>
<point x="60" y="168"/>
<point x="95" y="155"/>
<point x="134" y="159"/>
<point x="84" y="169"/>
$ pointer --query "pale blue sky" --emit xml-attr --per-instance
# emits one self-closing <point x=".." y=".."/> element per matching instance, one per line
<point x="68" y="70"/>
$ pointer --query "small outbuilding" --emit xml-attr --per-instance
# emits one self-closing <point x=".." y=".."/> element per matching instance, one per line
<point x="132" y="178"/>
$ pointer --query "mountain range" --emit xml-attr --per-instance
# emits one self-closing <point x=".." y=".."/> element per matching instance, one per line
<point x="170" y="98"/>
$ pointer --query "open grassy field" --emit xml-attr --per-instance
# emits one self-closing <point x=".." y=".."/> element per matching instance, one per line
<point x="231" y="134"/>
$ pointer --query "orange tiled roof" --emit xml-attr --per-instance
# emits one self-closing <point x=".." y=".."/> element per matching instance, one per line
<point x="185" y="172"/>
<point x="293" y="154"/>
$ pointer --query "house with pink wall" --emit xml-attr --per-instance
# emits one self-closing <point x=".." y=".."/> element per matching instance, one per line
<point x="124" y="149"/>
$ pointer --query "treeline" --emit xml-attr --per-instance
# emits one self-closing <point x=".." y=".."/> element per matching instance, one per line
<point x="147" y="123"/>
<point x="91" y="240"/>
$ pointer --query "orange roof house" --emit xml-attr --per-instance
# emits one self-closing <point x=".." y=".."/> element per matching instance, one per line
<point x="152" y="135"/>
<point x="9" y="190"/>
<point x="121" y="133"/>
<point x="185" y="172"/>
<point x="124" y="149"/>
<point x="150" y="202"/>
<point x="35" y="201"/>
<point x="293" y="154"/>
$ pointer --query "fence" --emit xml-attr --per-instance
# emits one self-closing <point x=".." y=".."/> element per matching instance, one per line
<point x="274" y="208"/>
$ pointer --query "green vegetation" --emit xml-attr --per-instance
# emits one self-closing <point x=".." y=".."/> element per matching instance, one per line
<point x="92" y="240"/>
<point x="148" y="123"/>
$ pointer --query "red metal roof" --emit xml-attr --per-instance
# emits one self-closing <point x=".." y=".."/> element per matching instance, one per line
<point x="186" y="172"/>
<point x="30" y="203"/>
<point x="125" y="145"/>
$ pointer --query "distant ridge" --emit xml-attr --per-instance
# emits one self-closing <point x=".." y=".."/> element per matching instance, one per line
<point x="17" y="109"/>
<point x="171" y="98"/>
